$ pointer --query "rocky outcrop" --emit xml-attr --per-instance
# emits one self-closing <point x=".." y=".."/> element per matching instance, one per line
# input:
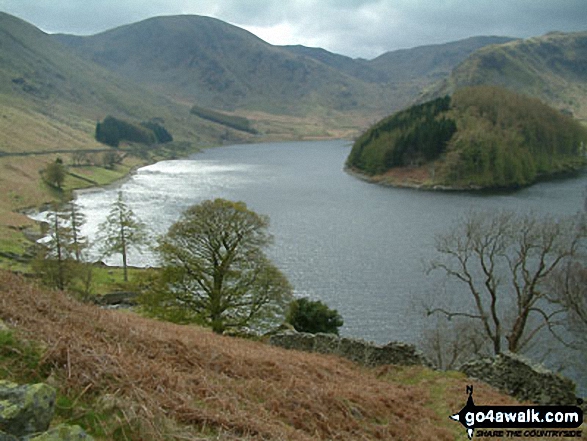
<point x="359" y="351"/>
<point x="519" y="378"/>
<point x="26" y="412"/>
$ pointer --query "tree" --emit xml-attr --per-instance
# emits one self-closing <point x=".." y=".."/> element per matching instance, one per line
<point x="214" y="266"/>
<point x="76" y="220"/>
<point x="313" y="316"/>
<point x="59" y="261"/>
<point x="54" y="258"/>
<point x="122" y="231"/>
<point x="506" y="262"/>
<point x="54" y="173"/>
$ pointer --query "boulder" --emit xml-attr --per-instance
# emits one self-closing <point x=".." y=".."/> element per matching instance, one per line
<point x="25" y="409"/>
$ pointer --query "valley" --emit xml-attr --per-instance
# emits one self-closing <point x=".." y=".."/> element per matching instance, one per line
<point x="482" y="112"/>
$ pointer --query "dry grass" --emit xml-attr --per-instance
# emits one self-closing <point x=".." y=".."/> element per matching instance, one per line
<point x="176" y="382"/>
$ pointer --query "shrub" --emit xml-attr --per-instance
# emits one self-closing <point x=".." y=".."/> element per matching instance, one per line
<point x="313" y="316"/>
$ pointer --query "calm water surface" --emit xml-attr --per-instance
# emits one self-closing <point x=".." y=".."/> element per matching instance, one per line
<point x="359" y="247"/>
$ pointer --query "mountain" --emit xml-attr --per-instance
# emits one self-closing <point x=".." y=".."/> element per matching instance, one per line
<point x="552" y="68"/>
<point x="212" y="63"/>
<point x="51" y="99"/>
<point x="481" y="137"/>
<point x="430" y="63"/>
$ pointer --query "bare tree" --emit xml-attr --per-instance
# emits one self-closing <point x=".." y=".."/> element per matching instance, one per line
<point x="121" y="231"/>
<point x="505" y="261"/>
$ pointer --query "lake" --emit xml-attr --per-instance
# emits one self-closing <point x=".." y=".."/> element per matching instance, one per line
<point x="359" y="247"/>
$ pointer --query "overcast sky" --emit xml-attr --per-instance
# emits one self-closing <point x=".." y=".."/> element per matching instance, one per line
<point x="357" y="28"/>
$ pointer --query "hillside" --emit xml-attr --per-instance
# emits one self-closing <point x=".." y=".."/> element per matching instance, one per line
<point x="552" y="68"/>
<point x="50" y="101"/>
<point x="430" y="63"/>
<point x="481" y="137"/>
<point x="123" y="377"/>
<point x="212" y="63"/>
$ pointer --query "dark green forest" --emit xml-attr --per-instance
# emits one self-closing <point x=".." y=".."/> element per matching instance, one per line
<point x="112" y="131"/>
<point x="482" y="136"/>
<point x="232" y="121"/>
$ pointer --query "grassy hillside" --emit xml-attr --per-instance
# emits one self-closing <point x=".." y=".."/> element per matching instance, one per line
<point x="430" y="63"/>
<point x="215" y="64"/>
<point x="123" y="377"/>
<point x="482" y="137"/>
<point x="552" y="68"/>
<point x="50" y="101"/>
<point x="212" y="63"/>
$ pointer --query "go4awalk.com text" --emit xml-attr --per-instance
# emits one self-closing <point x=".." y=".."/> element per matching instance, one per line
<point x="519" y="421"/>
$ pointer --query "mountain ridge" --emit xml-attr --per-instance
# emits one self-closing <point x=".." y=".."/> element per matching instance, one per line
<point x="551" y="67"/>
<point x="219" y="65"/>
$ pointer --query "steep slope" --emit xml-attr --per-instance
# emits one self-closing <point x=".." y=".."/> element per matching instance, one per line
<point x="51" y="99"/>
<point x="552" y="67"/>
<point x="212" y="63"/>
<point x="429" y="63"/>
<point x="406" y="73"/>
<point x="122" y="376"/>
<point x="482" y="137"/>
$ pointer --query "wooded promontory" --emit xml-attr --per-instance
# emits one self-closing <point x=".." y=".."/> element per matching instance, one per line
<point x="481" y="137"/>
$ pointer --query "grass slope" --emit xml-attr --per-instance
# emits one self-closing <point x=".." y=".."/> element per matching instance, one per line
<point x="50" y="100"/>
<point x="123" y="377"/>
<point x="552" y="68"/>
<point x="214" y="64"/>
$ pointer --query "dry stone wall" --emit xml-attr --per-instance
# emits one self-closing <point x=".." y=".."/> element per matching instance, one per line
<point x="359" y="351"/>
<point x="510" y="373"/>
<point x="519" y="378"/>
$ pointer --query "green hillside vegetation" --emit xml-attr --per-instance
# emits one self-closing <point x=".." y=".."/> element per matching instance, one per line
<point x="113" y="130"/>
<point x="221" y="66"/>
<point x="482" y="137"/>
<point x="552" y="68"/>
<point x="233" y="121"/>
<point x="50" y="100"/>
<point x="407" y="138"/>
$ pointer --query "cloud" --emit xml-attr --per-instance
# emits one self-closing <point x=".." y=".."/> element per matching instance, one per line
<point x="363" y="28"/>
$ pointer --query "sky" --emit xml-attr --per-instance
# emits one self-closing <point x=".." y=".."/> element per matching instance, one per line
<point x="356" y="28"/>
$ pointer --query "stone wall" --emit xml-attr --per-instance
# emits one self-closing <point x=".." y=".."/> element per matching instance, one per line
<point x="517" y="377"/>
<point x="510" y="373"/>
<point x="359" y="351"/>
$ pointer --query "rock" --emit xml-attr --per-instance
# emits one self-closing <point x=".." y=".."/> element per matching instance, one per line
<point x="326" y="343"/>
<point x="397" y="353"/>
<point x="6" y="437"/>
<point x="62" y="432"/>
<point x="26" y="409"/>
<point x="353" y="350"/>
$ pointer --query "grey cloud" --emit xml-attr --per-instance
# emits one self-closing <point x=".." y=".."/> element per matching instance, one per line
<point x="363" y="28"/>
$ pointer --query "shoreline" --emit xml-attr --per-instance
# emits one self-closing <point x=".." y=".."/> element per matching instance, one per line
<point x="422" y="186"/>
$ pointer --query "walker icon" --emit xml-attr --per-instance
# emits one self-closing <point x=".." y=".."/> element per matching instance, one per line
<point x="462" y="415"/>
